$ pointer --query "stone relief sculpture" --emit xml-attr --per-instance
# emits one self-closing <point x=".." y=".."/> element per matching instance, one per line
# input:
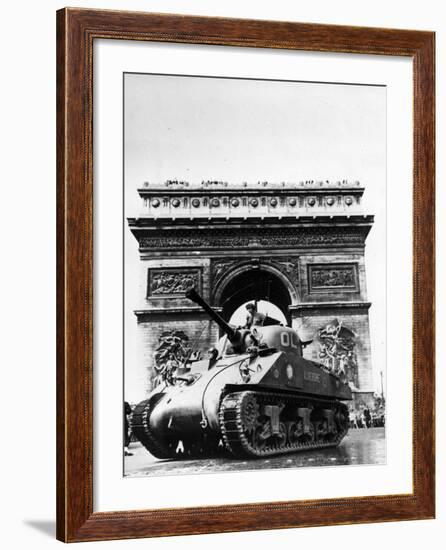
<point x="220" y="267"/>
<point x="172" y="282"/>
<point x="172" y="351"/>
<point x="290" y="266"/>
<point x="332" y="276"/>
<point x="337" y="351"/>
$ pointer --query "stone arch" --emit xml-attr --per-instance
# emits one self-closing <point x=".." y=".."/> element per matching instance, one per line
<point x="248" y="281"/>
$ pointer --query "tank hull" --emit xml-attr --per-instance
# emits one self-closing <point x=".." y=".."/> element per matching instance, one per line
<point x="292" y="405"/>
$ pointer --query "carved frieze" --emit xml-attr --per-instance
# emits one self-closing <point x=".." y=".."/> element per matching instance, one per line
<point x="332" y="277"/>
<point x="253" y="238"/>
<point x="172" y="282"/>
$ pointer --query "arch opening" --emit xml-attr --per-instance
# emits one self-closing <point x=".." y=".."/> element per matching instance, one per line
<point x="239" y="316"/>
<point x="254" y="285"/>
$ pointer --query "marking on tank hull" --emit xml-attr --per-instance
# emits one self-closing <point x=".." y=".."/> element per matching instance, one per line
<point x="312" y="377"/>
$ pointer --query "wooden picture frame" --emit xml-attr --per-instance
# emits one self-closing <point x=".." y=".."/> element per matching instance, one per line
<point x="76" y="31"/>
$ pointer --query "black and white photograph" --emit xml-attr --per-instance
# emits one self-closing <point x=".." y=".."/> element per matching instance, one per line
<point x="254" y="231"/>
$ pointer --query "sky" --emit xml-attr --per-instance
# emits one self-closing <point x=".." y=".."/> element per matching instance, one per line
<point x="196" y="128"/>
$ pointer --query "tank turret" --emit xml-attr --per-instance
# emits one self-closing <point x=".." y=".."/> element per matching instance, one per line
<point x="257" y="396"/>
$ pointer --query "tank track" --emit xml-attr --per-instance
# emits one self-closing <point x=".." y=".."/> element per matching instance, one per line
<point x="160" y="449"/>
<point x="141" y="429"/>
<point x="240" y="417"/>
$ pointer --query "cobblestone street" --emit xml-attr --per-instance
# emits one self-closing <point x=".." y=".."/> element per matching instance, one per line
<point x="360" y="446"/>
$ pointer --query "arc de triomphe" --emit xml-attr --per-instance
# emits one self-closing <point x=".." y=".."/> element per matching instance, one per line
<point x="301" y="246"/>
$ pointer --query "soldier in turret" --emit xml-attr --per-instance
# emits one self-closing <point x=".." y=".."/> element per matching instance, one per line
<point x="252" y="311"/>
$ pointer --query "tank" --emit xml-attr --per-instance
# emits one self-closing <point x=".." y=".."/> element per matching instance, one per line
<point x="254" y="396"/>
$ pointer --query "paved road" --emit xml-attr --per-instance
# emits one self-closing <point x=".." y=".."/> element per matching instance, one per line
<point x="363" y="446"/>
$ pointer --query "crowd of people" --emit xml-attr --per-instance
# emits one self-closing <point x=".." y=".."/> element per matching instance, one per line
<point x="365" y="418"/>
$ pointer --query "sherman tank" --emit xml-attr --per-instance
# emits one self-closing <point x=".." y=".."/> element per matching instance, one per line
<point x="254" y="396"/>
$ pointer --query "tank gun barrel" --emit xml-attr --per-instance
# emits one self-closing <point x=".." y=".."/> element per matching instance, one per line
<point x="232" y="333"/>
